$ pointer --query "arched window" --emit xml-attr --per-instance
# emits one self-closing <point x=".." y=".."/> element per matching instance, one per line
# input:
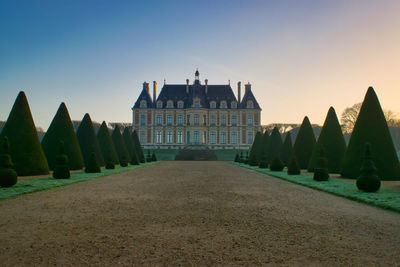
<point x="180" y="104"/>
<point x="213" y="104"/>
<point x="233" y="104"/>
<point x="170" y="104"/>
<point x="250" y="104"/>
<point x="159" y="104"/>
<point x="223" y="104"/>
<point x="143" y="104"/>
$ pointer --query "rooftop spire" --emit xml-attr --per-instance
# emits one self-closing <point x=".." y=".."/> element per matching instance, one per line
<point x="197" y="74"/>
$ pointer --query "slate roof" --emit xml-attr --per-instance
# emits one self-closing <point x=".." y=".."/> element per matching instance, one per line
<point x="144" y="95"/>
<point x="248" y="95"/>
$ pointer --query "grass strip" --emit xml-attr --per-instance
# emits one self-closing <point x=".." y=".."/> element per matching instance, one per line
<point x="384" y="198"/>
<point x="40" y="184"/>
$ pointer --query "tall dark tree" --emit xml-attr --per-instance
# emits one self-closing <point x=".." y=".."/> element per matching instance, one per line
<point x="304" y="144"/>
<point x="138" y="146"/>
<point x="287" y="149"/>
<point x="120" y="146"/>
<point x="274" y="145"/>
<point x="25" y="149"/>
<point x="62" y="129"/>
<point x="107" y="145"/>
<point x="332" y="141"/>
<point x="127" y="136"/>
<point x="371" y="127"/>
<point x="255" y="151"/>
<point x="88" y="141"/>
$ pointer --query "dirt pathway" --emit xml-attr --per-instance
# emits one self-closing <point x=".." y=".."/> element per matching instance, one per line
<point x="194" y="213"/>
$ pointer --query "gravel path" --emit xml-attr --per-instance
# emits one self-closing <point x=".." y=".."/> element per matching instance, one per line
<point x="194" y="213"/>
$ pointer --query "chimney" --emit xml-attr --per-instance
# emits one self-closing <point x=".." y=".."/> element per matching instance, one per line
<point x="146" y="86"/>
<point x="239" y="84"/>
<point x="154" y="91"/>
<point x="247" y="87"/>
<point x="206" y="82"/>
<point x="187" y="86"/>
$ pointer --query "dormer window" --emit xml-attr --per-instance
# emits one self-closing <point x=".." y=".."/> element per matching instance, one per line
<point x="250" y="104"/>
<point x="180" y="104"/>
<point x="159" y="104"/>
<point x="233" y="104"/>
<point x="170" y="104"/>
<point x="197" y="104"/>
<point x="143" y="104"/>
<point x="223" y="104"/>
<point x="213" y="104"/>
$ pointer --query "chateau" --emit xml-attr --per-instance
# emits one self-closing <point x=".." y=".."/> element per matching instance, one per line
<point x="196" y="114"/>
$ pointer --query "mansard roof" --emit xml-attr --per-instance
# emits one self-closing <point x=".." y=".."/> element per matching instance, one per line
<point x="248" y="95"/>
<point x="144" y="95"/>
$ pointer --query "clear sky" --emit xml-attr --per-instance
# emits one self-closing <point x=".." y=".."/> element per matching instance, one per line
<point x="301" y="57"/>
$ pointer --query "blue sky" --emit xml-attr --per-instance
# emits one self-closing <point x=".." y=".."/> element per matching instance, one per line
<point x="300" y="56"/>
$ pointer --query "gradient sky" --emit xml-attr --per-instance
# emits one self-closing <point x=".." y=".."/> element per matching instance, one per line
<point x="301" y="57"/>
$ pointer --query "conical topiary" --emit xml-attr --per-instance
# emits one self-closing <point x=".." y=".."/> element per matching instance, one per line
<point x="264" y="142"/>
<point x="109" y="163"/>
<point x="304" y="144"/>
<point x="241" y="157"/>
<point x="138" y="147"/>
<point x="332" y="140"/>
<point x="263" y="160"/>
<point x="371" y="127"/>
<point x="321" y="171"/>
<point x="276" y="164"/>
<point x="126" y="135"/>
<point x="25" y="149"/>
<point x="287" y="149"/>
<point x="153" y="157"/>
<point x="8" y="177"/>
<point x="88" y="141"/>
<point x="107" y="145"/>
<point x="255" y="151"/>
<point x="237" y="159"/>
<point x="62" y="129"/>
<point x="293" y="166"/>
<point x="61" y="169"/>
<point x="368" y="181"/>
<point x="93" y="166"/>
<point x="148" y="158"/>
<point x="123" y="154"/>
<point x="274" y="145"/>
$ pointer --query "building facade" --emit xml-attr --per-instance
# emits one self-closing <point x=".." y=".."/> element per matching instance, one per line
<point x="197" y="115"/>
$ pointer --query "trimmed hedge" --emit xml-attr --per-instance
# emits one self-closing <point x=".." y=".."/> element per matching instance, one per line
<point x="264" y="144"/>
<point x="88" y="141"/>
<point x="321" y="170"/>
<point x="276" y="164"/>
<point x="287" y="149"/>
<point x="371" y="127"/>
<point x="332" y="140"/>
<point x="107" y="147"/>
<point x="120" y="147"/>
<point x="274" y="145"/>
<point x="93" y="166"/>
<point x="138" y="147"/>
<point x="61" y="169"/>
<point x="25" y="149"/>
<point x="130" y="146"/>
<point x="255" y="151"/>
<point x="62" y="129"/>
<point x="293" y="166"/>
<point x="368" y="181"/>
<point x="304" y="144"/>
<point x="8" y="177"/>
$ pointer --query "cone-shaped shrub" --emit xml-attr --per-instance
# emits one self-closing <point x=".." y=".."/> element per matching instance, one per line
<point x="263" y="160"/>
<point x="107" y="145"/>
<point x="123" y="154"/>
<point x="255" y="151"/>
<point x="110" y="164"/>
<point x="138" y="147"/>
<point x="241" y="157"/>
<point x="62" y="129"/>
<point x="371" y="127"/>
<point x="321" y="170"/>
<point x="153" y="157"/>
<point x="61" y="169"/>
<point x="88" y="141"/>
<point x="332" y="140"/>
<point x="237" y="159"/>
<point x="93" y="166"/>
<point x="293" y="166"/>
<point x="148" y="157"/>
<point x="304" y="144"/>
<point x="264" y="143"/>
<point x="276" y="164"/>
<point x="8" y="177"/>
<point x="287" y="149"/>
<point x="368" y="181"/>
<point x="25" y="149"/>
<point x="130" y="146"/>
<point x="274" y="145"/>
<point x="246" y="160"/>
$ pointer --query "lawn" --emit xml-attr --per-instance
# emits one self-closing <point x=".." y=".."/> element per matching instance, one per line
<point x="384" y="198"/>
<point x="39" y="184"/>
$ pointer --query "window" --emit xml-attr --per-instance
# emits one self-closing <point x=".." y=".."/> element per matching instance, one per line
<point x="180" y="104"/>
<point x="233" y="104"/>
<point x="212" y="137"/>
<point x="223" y="104"/>
<point x="169" y="120"/>
<point x="250" y="120"/>
<point x="212" y="104"/>
<point x="234" y="120"/>
<point x="188" y="137"/>
<point x="180" y="120"/>
<point x="188" y="120"/>
<point x="223" y="137"/>
<point x="159" y="104"/>
<point x="142" y="119"/>
<point x="204" y="137"/>
<point x="143" y="104"/>
<point x="159" y="137"/>
<point x="250" y="104"/>
<point x="234" y="138"/>
<point x="196" y="119"/>
<point x="250" y="138"/>
<point x="196" y="137"/>
<point x="142" y="137"/>
<point x="204" y="119"/>
<point x="180" y="137"/>
<point x="197" y="104"/>
<point x="212" y="119"/>
<point x="170" y="104"/>
<point x="223" y="120"/>
<point x="159" y="120"/>
<point x="169" y="137"/>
